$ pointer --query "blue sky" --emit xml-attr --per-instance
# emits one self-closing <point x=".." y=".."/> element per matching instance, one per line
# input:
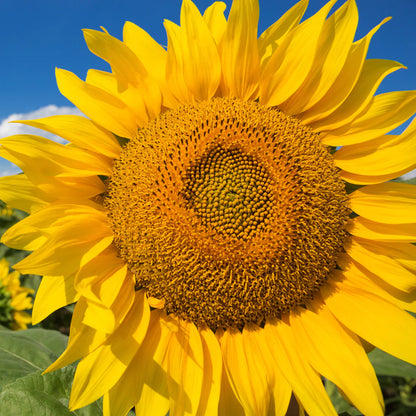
<point x="37" y="36"/>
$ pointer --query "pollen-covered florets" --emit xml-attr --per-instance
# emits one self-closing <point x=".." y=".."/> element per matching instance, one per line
<point x="234" y="199"/>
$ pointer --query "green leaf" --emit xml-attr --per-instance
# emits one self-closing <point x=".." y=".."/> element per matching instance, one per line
<point x="24" y="355"/>
<point x="25" y="352"/>
<point x="387" y="365"/>
<point x="46" y="395"/>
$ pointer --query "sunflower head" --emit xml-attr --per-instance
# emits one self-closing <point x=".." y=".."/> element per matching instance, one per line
<point x="228" y="211"/>
<point x="202" y="217"/>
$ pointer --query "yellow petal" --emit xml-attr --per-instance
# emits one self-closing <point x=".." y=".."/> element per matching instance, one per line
<point x="148" y="51"/>
<point x="215" y="20"/>
<point x="129" y="74"/>
<point x="376" y="258"/>
<point x="95" y="272"/>
<point x="371" y="230"/>
<point x="80" y="131"/>
<point x="201" y="63"/>
<point x="155" y="394"/>
<point x="21" y="320"/>
<point x="338" y="356"/>
<point x="177" y="92"/>
<point x="384" y="113"/>
<point x="372" y="74"/>
<point x="374" y="319"/>
<point x="82" y="339"/>
<point x="155" y="302"/>
<point x="4" y="270"/>
<point x="58" y="215"/>
<point x="18" y="192"/>
<point x="97" y="316"/>
<point x="54" y="159"/>
<point x="272" y="37"/>
<point x="112" y="303"/>
<point x="54" y="292"/>
<point x="130" y="95"/>
<point x="21" y="301"/>
<point x="78" y="234"/>
<point x="387" y="156"/>
<point x="23" y="237"/>
<point x="246" y="374"/>
<point x="345" y="82"/>
<point x="46" y="221"/>
<point x="33" y="232"/>
<point x="146" y="388"/>
<point x="282" y="394"/>
<point x="193" y="69"/>
<point x="332" y="52"/>
<point x="185" y="368"/>
<point x="280" y="390"/>
<point x="124" y="63"/>
<point x="103" y="108"/>
<point x="105" y="280"/>
<point x="211" y="383"/>
<point x="55" y="257"/>
<point x="304" y="380"/>
<point x="357" y="276"/>
<point x="99" y="371"/>
<point x="292" y="61"/>
<point x="239" y="55"/>
<point x="390" y="203"/>
<point x="371" y="180"/>
<point x="403" y="253"/>
<point x="229" y="404"/>
<point x="69" y="189"/>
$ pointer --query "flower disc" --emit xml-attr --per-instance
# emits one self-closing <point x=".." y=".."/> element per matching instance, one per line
<point x="232" y="198"/>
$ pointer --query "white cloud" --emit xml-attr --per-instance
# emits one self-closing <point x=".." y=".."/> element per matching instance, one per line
<point x="409" y="175"/>
<point x="7" y="168"/>
<point x="9" y="129"/>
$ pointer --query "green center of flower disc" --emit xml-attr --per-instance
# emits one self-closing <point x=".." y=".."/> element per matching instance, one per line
<point x="230" y="192"/>
<point x="230" y="212"/>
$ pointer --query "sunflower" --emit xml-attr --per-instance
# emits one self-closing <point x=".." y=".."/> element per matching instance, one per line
<point x="223" y="219"/>
<point x="14" y="299"/>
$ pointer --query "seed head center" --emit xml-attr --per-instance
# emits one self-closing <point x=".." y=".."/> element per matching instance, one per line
<point x="231" y="212"/>
<point x="229" y="191"/>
